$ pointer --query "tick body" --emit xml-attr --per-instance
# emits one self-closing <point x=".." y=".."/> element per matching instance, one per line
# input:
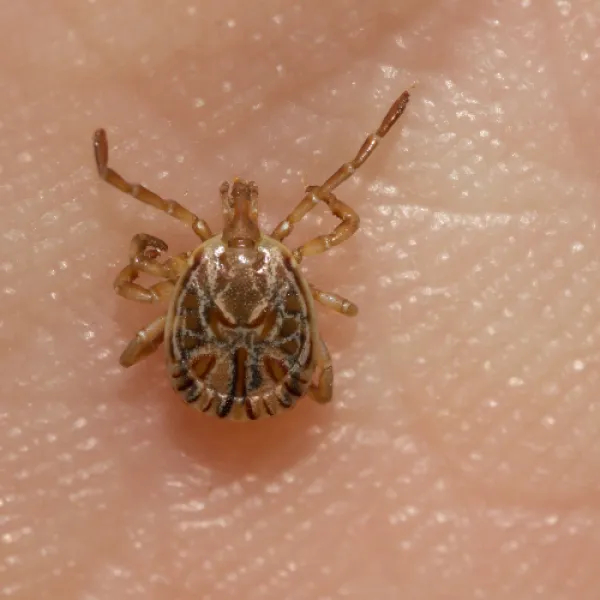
<point x="240" y="331"/>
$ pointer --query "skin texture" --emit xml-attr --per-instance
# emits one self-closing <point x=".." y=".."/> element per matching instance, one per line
<point x="460" y="456"/>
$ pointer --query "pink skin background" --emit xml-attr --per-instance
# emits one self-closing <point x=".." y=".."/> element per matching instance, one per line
<point x="460" y="458"/>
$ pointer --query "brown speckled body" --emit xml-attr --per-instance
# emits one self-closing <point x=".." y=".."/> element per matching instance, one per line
<point x="240" y="334"/>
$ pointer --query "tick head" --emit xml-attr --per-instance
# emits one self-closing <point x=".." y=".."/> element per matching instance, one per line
<point x="240" y="214"/>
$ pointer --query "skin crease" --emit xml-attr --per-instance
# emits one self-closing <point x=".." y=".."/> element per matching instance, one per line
<point x="459" y="458"/>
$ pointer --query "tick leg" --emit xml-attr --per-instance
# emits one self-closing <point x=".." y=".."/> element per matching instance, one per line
<point x="335" y="302"/>
<point x="323" y="390"/>
<point x="316" y="194"/>
<point x="145" y="342"/>
<point x="144" y="250"/>
<point x="125" y="286"/>
<point x="178" y="264"/>
<point x="371" y="142"/>
<point x="171" y="207"/>
<point x="347" y="227"/>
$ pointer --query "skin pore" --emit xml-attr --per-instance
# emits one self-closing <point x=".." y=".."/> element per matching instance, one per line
<point x="459" y="457"/>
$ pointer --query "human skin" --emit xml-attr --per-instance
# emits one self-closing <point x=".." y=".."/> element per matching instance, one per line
<point x="460" y="456"/>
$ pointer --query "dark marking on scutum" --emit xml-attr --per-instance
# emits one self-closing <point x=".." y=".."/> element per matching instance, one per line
<point x="290" y="347"/>
<point x="288" y="327"/>
<point x="184" y="384"/>
<point x="255" y="376"/>
<point x="220" y="315"/>
<point x="258" y="320"/>
<point x="275" y="368"/>
<point x="187" y="342"/>
<point x="190" y="302"/>
<point x="192" y="322"/>
<point x="293" y="386"/>
<point x="215" y="323"/>
<point x="216" y="320"/>
<point x="193" y="395"/>
<point x="301" y="310"/>
<point x="239" y="373"/>
<point x="238" y="382"/>
<point x="286" y="399"/>
<point x="309" y="354"/>
<point x="249" y="410"/>
<point x="292" y="304"/>
<point x="268" y="324"/>
<point x="225" y="407"/>
<point x="203" y="365"/>
<point x="292" y="299"/>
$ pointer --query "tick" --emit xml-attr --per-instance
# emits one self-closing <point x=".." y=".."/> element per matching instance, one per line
<point x="240" y="332"/>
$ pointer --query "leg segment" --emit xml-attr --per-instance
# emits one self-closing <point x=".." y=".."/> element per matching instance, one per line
<point x="144" y="249"/>
<point x="178" y="264"/>
<point x="199" y="226"/>
<point x="143" y="252"/>
<point x="322" y="392"/>
<point x="348" y="226"/>
<point x="125" y="286"/>
<point x="335" y="302"/>
<point x="369" y="145"/>
<point x="145" y="342"/>
<point x="314" y="194"/>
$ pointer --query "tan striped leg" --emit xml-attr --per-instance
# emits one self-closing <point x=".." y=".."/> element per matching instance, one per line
<point x="334" y="301"/>
<point x="145" y="342"/>
<point x="171" y="207"/>
<point x="346" y="229"/>
<point x="125" y="286"/>
<point x="323" y="391"/>
<point x="144" y="250"/>
<point x="324" y="192"/>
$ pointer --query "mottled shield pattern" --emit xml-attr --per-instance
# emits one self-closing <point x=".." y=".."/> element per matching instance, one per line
<point x="240" y="333"/>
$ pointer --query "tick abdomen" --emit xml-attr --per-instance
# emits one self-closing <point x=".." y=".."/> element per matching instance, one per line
<point x="241" y="339"/>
